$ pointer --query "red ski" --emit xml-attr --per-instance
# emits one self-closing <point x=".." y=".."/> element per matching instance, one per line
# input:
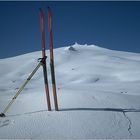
<point x="44" y="59"/>
<point x="52" y="58"/>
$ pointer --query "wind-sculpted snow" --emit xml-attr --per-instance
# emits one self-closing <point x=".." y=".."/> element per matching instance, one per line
<point x="98" y="95"/>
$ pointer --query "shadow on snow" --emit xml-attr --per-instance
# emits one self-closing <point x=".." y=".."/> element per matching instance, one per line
<point x="102" y="109"/>
<point x="85" y="109"/>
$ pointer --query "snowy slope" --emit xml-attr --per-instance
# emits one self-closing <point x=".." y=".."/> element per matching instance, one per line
<point x="98" y="94"/>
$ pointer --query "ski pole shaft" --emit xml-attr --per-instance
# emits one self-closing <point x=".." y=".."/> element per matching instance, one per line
<point x="52" y="58"/>
<point x="22" y="87"/>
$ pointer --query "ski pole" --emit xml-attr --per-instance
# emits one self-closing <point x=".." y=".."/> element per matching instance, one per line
<point x="20" y="89"/>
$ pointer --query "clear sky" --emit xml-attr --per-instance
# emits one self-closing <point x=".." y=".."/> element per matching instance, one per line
<point x="113" y="25"/>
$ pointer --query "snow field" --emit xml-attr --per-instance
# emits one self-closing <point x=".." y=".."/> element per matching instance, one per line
<point x="98" y="95"/>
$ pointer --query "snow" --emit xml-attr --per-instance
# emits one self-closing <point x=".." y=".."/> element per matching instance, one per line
<point x="98" y="95"/>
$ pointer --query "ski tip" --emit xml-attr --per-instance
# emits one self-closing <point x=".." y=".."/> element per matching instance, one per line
<point x="2" y="115"/>
<point x="40" y="9"/>
<point x="49" y="9"/>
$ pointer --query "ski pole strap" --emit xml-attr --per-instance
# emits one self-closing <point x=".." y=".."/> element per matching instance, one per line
<point x="42" y="60"/>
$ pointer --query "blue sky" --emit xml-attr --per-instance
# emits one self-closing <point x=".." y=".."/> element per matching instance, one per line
<point x="113" y="25"/>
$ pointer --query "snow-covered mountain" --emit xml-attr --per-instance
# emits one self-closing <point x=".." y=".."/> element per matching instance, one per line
<point x="98" y="94"/>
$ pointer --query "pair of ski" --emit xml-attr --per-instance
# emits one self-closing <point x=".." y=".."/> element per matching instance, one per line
<point x="51" y="58"/>
<point x="41" y="63"/>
